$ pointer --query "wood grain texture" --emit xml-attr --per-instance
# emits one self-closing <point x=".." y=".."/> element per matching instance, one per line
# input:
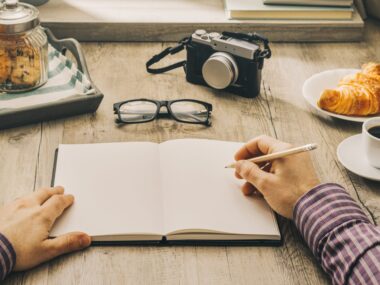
<point x="168" y="20"/>
<point x="119" y="71"/>
<point x="139" y="32"/>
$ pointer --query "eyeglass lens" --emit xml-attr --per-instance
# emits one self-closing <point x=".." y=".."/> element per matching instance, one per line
<point x="188" y="111"/>
<point x="137" y="111"/>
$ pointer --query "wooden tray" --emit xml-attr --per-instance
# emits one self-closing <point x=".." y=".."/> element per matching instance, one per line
<point x="61" y="108"/>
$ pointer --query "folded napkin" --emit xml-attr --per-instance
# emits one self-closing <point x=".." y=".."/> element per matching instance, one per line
<point x="65" y="80"/>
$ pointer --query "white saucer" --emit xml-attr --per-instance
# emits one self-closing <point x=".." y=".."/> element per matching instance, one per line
<point x="316" y="84"/>
<point x="351" y="154"/>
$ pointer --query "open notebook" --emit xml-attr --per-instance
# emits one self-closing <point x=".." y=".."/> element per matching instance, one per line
<point x="173" y="192"/>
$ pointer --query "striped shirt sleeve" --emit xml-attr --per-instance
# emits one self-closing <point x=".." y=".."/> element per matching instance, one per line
<point x="7" y="257"/>
<point x="340" y="235"/>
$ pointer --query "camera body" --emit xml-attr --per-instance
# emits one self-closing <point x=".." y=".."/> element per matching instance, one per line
<point x="224" y="62"/>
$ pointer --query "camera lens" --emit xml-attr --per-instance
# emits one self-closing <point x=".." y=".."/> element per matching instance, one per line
<point x="220" y="70"/>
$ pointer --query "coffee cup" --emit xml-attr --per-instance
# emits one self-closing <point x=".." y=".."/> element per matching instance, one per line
<point x="371" y="140"/>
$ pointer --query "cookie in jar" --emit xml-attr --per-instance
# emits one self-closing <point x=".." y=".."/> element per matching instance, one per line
<point x="5" y="65"/>
<point x="23" y="48"/>
<point x="26" y="67"/>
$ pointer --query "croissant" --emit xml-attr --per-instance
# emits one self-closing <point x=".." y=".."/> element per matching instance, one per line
<point x="356" y="95"/>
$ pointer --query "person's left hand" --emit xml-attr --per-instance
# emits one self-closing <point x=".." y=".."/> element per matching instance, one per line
<point x="27" y="221"/>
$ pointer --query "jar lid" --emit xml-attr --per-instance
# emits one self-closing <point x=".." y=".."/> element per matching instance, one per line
<point x="17" y="17"/>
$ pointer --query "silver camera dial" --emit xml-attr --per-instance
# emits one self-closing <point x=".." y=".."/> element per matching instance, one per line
<point x="220" y="70"/>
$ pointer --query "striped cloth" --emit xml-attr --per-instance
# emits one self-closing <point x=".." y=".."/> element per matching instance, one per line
<point x="340" y="235"/>
<point x="7" y="257"/>
<point x="65" y="80"/>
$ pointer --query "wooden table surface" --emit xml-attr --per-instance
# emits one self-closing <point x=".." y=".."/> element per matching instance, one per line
<point x="119" y="71"/>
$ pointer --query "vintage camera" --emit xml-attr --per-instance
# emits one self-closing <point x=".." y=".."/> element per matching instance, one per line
<point x="226" y="61"/>
<point x="230" y="61"/>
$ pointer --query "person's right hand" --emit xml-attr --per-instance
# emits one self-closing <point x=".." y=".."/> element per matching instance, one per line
<point x="286" y="180"/>
<point x="27" y="221"/>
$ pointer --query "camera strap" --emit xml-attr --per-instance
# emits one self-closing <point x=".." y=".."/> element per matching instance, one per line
<point x="168" y="51"/>
<point x="257" y="39"/>
<point x="253" y="38"/>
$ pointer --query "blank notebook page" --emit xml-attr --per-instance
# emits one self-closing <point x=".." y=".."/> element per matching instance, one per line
<point x="116" y="188"/>
<point x="199" y="193"/>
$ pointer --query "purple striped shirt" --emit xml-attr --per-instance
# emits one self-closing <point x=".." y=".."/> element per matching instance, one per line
<point x="7" y="257"/>
<point x="340" y="235"/>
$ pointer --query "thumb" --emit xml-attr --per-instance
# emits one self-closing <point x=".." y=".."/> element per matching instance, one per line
<point x="253" y="174"/>
<point x="66" y="243"/>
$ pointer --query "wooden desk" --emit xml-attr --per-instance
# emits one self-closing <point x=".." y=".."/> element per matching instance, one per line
<point x="119" y="71"/>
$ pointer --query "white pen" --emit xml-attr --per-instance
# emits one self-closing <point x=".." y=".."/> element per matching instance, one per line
<point x="279" y="154"/>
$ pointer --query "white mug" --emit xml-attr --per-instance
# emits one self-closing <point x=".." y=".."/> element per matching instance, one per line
<point x="371" y="143"/>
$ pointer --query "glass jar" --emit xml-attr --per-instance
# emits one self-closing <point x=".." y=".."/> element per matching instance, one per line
<point x="23" y="48"/>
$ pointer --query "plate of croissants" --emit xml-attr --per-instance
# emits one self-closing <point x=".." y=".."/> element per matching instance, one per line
<point x="348" y="94"/>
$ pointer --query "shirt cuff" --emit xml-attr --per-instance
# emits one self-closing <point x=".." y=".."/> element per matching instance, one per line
<point x="7" y="257"/>
<point x="323" y="209"/>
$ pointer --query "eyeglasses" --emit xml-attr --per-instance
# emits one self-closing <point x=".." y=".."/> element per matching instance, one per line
<point x="145" y="110"/>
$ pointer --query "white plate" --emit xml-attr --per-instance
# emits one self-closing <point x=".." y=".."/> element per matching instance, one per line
<point x="351" y="154"/>
<point x="315" y="85"/>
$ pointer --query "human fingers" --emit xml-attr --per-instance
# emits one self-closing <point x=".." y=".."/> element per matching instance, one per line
<point x="254" y="175"/>
<point x="237" y="175"/>
<point x="42" y="195"/>
<point x="38" y="197"/>
<point x="54" y="207"/>
<point x="65" y="244"/>
<point x="266" y="166"/>
<point x="260" y="145"/>
<point x="248" y="189"/>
